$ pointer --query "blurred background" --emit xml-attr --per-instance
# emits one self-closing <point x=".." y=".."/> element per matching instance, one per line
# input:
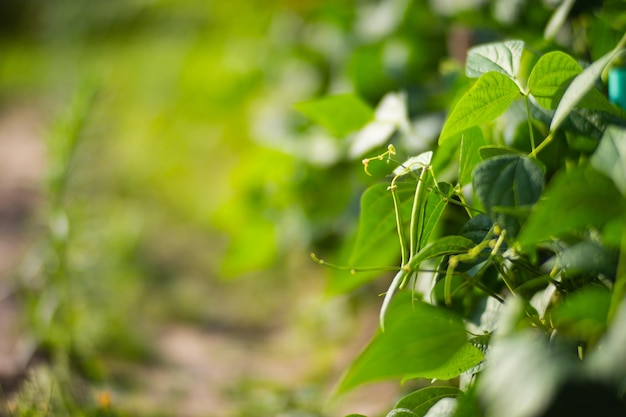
<point x="160" y="195"/>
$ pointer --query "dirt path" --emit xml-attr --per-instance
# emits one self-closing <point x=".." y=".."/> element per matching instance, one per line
<point x="206" y="374"/>
<point x="21" y="170"/>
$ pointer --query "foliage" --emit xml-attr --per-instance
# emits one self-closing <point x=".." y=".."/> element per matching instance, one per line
<point x="512" y="273"/>
<point x="495" y="191"/>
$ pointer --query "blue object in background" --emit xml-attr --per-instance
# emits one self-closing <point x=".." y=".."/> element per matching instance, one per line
<point x="617" y="86"/>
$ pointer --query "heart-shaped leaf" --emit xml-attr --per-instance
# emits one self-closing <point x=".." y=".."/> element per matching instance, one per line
<point x="502" y="57"/>
<point x="551" y="76"/>
<point x="488" y="98"/>
<point x="507" y="182"/>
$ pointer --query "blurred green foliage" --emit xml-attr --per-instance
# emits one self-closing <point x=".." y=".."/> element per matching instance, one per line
<point x="190" y="164"/>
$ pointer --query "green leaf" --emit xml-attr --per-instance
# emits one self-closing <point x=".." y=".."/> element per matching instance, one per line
<point x="419" y="338"/>
<point x="477" y="228"/>
<point x="471" y="141"/>
<point x="490" y="151"/>
<point x="551" y="76"/>
<point x="420" y="401"/>
<point x="583" y="314"/>
<point x="501" y="57"/>
<point x="377" y="222"/>
<point x="580" y="86"/>
<point x="488" y="98"/>
<point x="465" y="359"/>
<point x="574" y="201"/>
<point x="584" y="257"/>
<point x="610" y="157"/>
<point x="507" y="181"/>
<point x="376" y="243"/>
<point x="340" y="114"/>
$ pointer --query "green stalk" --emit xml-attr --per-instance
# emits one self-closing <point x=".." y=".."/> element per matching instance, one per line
<point x="398" y="214"/>
<point x="530" y="124"/>
<point x="542" y="145"/>
<point x="417" y="214"/>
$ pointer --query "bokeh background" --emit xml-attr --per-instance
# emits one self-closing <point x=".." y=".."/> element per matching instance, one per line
<point x="160" y="195"/>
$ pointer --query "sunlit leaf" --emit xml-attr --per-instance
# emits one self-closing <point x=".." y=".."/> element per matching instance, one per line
<point x="502" y="57"/>
<point x="414" y="163"/>
<point x="551" y="76"/>
<point x="420" y="401"/>
<point x="465" y="359"/>
<point x="582" y="84"/>
<point x="418" y="338"/>
<point x="471" y="141"/>
<point x="507" y="181"/>
<point x="340" y="114"/>
<point x="610" y="157"/>
<point x="488" y="98"/>
<point x="574" y="200"/>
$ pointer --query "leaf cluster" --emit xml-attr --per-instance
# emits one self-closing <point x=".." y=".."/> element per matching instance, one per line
<point x="523" y="303"/>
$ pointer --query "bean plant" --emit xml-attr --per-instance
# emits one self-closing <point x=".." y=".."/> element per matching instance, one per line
<point x="509" y="290"/>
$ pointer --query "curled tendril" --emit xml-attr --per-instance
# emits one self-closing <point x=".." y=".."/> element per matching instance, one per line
<point x="391" y="150"/>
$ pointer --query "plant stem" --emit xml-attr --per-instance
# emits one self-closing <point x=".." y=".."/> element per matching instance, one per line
<point x="542" y="145"/>
<point x="398" y="214"/>
<point x="416" y="214"/>
<point x="530" y="124"/>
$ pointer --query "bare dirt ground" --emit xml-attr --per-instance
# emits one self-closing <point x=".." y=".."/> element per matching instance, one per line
<point x="21" y="170"/>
